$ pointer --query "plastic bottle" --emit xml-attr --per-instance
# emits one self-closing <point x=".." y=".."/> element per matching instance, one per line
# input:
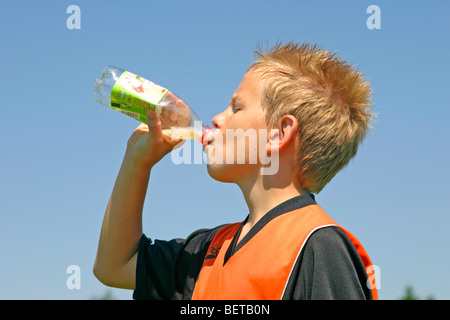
<point x="131" y="95"/>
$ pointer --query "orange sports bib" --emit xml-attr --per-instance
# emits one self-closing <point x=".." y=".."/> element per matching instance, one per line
<point x="260" y="269"/>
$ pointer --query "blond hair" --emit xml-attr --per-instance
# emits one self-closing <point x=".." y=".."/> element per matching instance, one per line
<point x="330" y="100"/>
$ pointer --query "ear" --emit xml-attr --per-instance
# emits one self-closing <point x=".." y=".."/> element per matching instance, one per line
<point x="282" y="136"/>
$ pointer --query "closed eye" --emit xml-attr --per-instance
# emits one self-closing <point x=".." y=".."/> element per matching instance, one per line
<point x="235" y="108"/>
<point x="235" y="104"/>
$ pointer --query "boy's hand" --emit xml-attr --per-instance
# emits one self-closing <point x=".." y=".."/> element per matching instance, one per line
<point x="147" y="145"/>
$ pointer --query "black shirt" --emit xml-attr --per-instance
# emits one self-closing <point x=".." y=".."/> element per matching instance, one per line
<point x="327" y="268"/>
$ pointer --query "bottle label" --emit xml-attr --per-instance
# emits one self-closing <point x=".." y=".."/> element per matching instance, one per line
<point x="132" y="95"/>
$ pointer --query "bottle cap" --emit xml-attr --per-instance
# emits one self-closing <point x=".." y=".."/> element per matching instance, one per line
<point x="205" y="132"/>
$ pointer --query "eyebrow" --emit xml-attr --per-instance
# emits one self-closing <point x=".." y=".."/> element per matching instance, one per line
<point x="234" y="99"/>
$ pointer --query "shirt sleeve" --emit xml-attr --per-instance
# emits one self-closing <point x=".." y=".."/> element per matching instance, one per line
<point x="328" y="267"/>
<point x="169" y="269"/>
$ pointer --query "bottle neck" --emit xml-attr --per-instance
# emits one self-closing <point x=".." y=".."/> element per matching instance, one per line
<point x="207" y="131"/>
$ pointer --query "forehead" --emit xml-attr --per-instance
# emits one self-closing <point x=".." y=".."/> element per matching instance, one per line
<point x="249" y="88"/>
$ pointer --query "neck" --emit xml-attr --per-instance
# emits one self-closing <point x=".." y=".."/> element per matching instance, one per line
<point x="266" y="192"/>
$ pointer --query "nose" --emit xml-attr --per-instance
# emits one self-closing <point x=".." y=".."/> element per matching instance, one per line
<point x="217" y="121"/>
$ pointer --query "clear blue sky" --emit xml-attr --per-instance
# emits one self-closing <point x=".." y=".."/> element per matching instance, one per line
<point x="61" y="151"/>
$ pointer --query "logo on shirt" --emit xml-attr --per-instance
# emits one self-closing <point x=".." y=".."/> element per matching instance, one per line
<point x="213" y="252"/>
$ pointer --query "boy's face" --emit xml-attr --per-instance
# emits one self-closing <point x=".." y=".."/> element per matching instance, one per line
<point x="233" y="153"/>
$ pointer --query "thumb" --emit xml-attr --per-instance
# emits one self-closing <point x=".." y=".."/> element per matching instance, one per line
<point x="153" y="122"/>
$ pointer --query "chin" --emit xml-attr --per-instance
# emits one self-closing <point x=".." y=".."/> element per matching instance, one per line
<point x="232" y="173"/>
<point x="221" y="173"/>
<point x="220" y="170"/>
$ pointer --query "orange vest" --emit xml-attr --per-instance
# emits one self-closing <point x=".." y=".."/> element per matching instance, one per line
<point x="251" y="272"/>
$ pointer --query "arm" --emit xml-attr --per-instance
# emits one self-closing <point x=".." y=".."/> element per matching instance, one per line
<point x="115" y="263"/>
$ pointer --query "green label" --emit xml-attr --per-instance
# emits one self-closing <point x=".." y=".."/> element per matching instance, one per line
<point x="132" y="95"/>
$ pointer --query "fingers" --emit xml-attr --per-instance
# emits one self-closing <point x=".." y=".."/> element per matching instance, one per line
<point x="152" y="118"/>
<point x="155" y="128"/>
<point x="142" y="128"/>
<point x="153" y="123"/>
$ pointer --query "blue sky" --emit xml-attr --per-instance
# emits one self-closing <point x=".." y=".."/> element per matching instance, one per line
<point x="61" y="151"/>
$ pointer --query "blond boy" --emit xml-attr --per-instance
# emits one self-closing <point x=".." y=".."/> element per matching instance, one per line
<point x="314" y="109"/>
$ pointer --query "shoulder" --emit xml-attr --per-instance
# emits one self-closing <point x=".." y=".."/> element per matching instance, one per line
<point x="195" y="241"/>
<point x="169" y="269"/>
<point x="330" y="250"/>
<point x="328" y="267"/>
<point x="329" y="241"/>
<point x="201" y="239"/>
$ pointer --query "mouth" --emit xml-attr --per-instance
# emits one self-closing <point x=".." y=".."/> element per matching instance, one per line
<point x="207" y="137"/>
<point x="206" y="144"/>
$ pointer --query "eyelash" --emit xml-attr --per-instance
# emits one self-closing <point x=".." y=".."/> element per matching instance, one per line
<point x="235" y="108"/>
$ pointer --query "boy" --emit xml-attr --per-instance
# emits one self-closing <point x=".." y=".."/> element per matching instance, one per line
<point x="315" y="109"/>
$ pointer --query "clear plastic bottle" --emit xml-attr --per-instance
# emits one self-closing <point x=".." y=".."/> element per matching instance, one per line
<point x="131" y="95"/>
